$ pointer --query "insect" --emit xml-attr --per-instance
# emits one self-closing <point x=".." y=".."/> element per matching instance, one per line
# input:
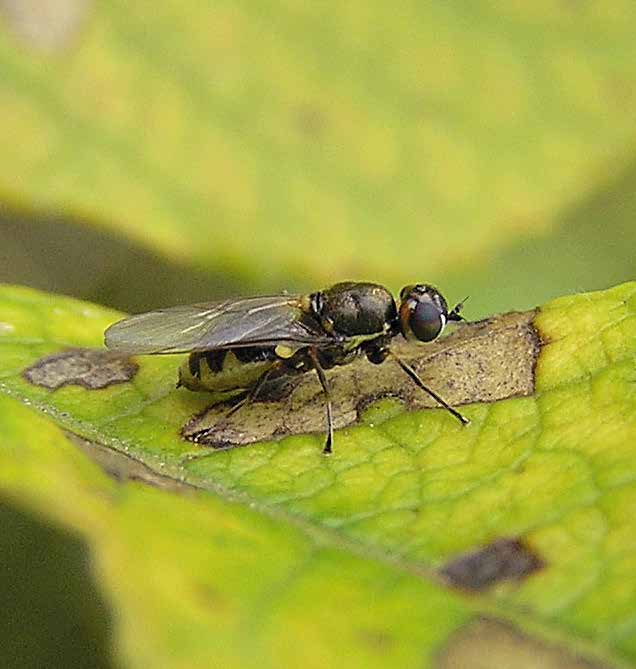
<point x="239" y="345"/>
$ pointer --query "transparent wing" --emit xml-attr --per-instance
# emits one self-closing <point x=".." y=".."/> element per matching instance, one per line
<point x="200" y="327"/>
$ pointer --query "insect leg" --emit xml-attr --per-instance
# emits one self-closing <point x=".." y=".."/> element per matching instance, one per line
<point x="418" y="382"/>
<point x="325" y="386"/>
<point x="254" y="390"/>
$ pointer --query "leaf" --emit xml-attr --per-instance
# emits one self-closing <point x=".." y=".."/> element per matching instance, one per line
<point x="468" y="128"/>
<point x="370" y="539"/>
<point x="197" y="580"/>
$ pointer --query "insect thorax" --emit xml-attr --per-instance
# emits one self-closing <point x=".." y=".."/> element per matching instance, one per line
<point x="353" y="309"/>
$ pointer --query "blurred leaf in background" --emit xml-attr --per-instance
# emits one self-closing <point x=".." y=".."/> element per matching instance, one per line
<point x="488" y="147"/>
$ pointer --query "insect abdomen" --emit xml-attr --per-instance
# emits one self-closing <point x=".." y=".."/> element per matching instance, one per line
<point x="224" y="370"/>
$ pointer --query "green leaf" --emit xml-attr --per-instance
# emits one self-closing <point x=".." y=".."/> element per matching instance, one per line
<point x="467" y="127"/>
<point x="198" y="581"/>
<point x="355" y="555"/>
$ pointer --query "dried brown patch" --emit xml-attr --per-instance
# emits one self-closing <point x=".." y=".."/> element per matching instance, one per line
<point x="123" y="468"/>
<point x="485" y="361"/>
<point x="501" y="560"/>
<point x="89" y="368"/>
<point x="486" y="643"/>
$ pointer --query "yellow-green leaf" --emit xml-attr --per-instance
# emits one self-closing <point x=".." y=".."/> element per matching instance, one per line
<point x="378" y="532"/>
<point x="198" y="581"/>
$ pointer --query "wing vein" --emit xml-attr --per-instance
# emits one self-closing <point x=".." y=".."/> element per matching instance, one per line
<point x="256" y="321"/>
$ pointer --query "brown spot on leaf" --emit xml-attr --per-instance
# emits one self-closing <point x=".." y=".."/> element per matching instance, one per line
<point x="122" y="467"/>
<point x="90" y="368"/>
<point x="486" y="643"/>
<point x="484" y="361"/>
<point x="503" y="559"/>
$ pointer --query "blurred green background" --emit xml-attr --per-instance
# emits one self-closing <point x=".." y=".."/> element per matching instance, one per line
<point x="155" y="154"/>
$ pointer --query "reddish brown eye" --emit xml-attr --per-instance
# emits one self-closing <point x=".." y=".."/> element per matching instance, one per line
<point x="423" y="312"/>
<point x="426" y="321"/>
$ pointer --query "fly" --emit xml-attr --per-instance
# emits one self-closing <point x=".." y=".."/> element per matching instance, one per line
<point x="238" y="345"/>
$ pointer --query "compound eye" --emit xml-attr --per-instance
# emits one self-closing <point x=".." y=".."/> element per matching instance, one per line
<point x="405" y="292"/>
<point x="426" y="321"/>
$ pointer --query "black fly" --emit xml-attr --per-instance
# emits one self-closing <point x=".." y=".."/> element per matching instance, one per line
<point x="238" y="345"/>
